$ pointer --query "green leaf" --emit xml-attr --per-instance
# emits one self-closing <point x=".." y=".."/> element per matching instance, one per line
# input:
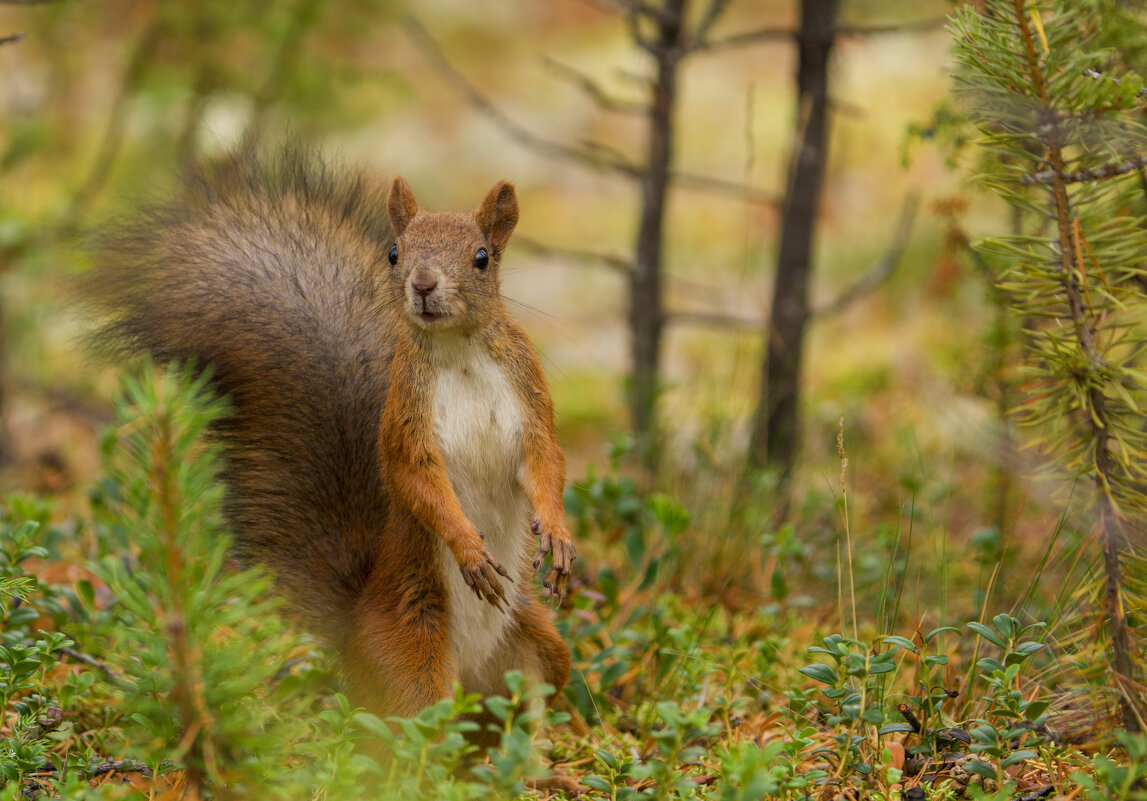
<point x="1017" y="757"/>
<point x="989" y="664"/>
<point x="1035" y="709"/>
<point x="980" y="768"/>
<point x="988" y="634"/>
<point x="902" y="642"/>
<point x="893" y="728"/>
<point x="940" y="630"/>
<point x="985" y="734"/>
<point x="596" y="783"/>
<point x="607" y="758"/>
<point x="1005" y="624"/>
<point x="1028" y="648"/>
<point x="821" y="673"/>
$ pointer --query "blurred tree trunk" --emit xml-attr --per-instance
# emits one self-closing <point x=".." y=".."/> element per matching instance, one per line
<point x="646" y="312"/>
<point x="774" y="439"/>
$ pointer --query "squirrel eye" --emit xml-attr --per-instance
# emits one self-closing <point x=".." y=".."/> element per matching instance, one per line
<point x="481" y="259"/>
<point x="392" y="257"/>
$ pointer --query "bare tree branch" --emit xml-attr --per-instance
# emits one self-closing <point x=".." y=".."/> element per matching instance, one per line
<point x="593" y="89"/>
<point x="707" y="183"/>
<point x="877" y="273"/>
<point x="727" y="322"/>
<point x="633" y="12"/>
<point x="137" y="67"/>
<point x="91" y="661"/>
<point x="746" y="38"/>
<point x="770" y="34"/>
<point x="712" y="14"/>
<point x="881" y="269"/>
<point x="614" y="263"/>
<point x="512" y="128"/>
<point x="931" y="23"/>
<point x="593" y="156"/>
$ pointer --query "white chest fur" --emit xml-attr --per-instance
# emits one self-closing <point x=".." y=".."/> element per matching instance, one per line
<point x="478" y="427"/>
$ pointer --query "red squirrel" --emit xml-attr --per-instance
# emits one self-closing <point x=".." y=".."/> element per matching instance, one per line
<point x="391" y="454"/>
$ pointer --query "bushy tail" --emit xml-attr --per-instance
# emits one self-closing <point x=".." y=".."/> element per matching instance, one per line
<point x="265" y="270"/>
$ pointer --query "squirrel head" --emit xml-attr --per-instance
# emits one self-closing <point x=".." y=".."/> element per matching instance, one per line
<point x="447" y="263"/>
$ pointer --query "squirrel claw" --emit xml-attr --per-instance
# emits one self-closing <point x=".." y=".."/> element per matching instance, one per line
<point x="482" y="579"/>
<point x="562" y="552"/>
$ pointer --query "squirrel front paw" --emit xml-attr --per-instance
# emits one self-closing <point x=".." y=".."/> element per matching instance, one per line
<point x="555" y="540"/>
<point x="480" y="571"/>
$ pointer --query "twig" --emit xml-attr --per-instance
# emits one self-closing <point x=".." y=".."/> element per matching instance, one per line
<point x="931" y="23"/>
<point x="712" y="14"/>
<point x="137" y="67"/>
<point x="1079" y="176"/>
<point x="616" y="264"/>
<point x="516" y="131"/>
<point x="728" y="322"/>
<point x="121" y="766"/>
<point x="593" y="89"/>
<point x="1097" y="75"/>
<point x="771" y="34"/>
<point x="12" y="37"/>
<point x="91" y="661"/>
<point x="877" y="273"/>
<point x="746" y="38"/>
<point x="881" y="269"/>
<point x="707" y="183"/>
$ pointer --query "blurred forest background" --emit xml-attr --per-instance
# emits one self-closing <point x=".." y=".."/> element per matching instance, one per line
<point x="103" y="102"/>
<point x="656" y="326"/>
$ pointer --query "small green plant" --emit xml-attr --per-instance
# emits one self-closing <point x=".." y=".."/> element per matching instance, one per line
<point x="1011" y="725"/>
<point x="680" y="737"/>
<point x="923" y="711"/>
<point x="750" y="771"/>
<point x="648" y="525"/>
<point x="857" y="684"/>
<point x="1111" y="780"/>
<point x="35" y="721"/>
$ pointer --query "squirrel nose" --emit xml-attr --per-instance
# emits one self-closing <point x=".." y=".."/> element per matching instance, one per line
<point x="424" y="284"/>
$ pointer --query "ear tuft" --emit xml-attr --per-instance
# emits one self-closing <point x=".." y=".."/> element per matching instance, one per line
<point x="498" y="215"/>
<point x="400" y="205"/>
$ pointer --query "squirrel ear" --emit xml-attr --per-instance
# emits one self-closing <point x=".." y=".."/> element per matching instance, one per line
<point x="400" y="205"/>
<point x="498" y="214"/>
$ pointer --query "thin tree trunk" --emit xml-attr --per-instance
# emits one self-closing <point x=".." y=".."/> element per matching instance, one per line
<point x="646" y="312"/>
<point x="775" y="432"/>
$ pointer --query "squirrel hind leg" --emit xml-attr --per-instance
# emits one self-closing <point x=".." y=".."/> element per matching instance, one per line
<point x="531" y="645"/>
<point x="397" y="659"/>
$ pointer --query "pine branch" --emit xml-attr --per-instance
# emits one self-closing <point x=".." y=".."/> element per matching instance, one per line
<point x="1072" y="267"/>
